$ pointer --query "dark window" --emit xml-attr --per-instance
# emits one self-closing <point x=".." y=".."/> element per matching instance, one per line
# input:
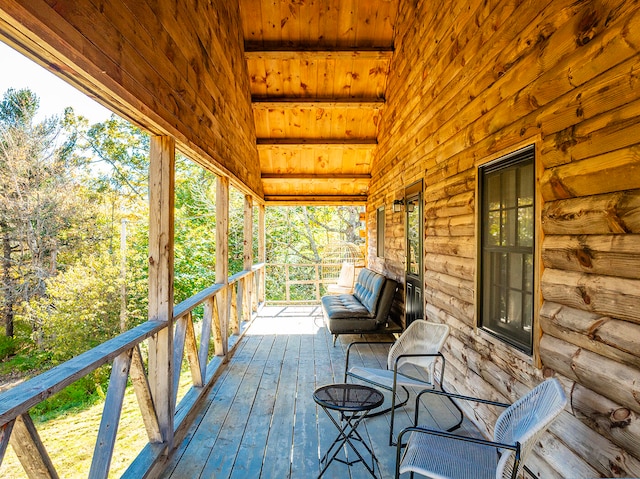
<point x="380" y="232"/>
<point x="507" y="216"/>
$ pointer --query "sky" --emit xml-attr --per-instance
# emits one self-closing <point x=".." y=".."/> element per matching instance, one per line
<point x="55" y="94"/>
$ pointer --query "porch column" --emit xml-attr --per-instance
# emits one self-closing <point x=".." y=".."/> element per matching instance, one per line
<point x="248" y="232"/>
<point x="248" y="281"/>
<point x="161" y="229"/>
<point x="261" y="250"/>
<point x="222" y="259"/>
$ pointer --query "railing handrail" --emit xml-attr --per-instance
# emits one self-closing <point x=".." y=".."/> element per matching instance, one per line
<point x="317" y="280"/>
<point x="16" y="402"/>
<point x="22" y="397"/>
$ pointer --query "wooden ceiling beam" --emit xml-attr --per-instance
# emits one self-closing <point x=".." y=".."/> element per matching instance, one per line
<point x="324" y="54"/>
<point x="310" y="176"/>
<point x="302" y="103"/>
<point x="315" y="141"/>
<point x="296" y="200"/>
<point x="308" y="144"/>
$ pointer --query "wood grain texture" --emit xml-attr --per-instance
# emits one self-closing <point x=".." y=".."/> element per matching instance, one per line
<point x="318" y="72"/>
<point x="173" y="69"/>
<point x="470" y="82"/>
<point x="28" y="446"/>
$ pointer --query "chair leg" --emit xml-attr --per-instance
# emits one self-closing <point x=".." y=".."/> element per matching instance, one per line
<point x="393" y="412"/>
<point x="335" y="337"/>
<point x="459" y="423"/>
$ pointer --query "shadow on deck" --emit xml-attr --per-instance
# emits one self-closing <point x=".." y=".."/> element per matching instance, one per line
<point x="260" y="420"/>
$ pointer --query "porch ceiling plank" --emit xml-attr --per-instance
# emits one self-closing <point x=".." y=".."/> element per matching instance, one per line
<point x="310" y="54"/>
<point x="349" y="122"/>
<point x="318" y="73"/>
<point x="288" y="200"/>
<point x="298" y="176"/>
<point x="319" y="104"/>
<point x="366" y="143"/>
<point x="331" y="159"/>
<point x="315" y="186"/>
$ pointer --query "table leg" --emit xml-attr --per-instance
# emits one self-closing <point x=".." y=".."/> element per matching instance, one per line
<point x="346" y="434"/>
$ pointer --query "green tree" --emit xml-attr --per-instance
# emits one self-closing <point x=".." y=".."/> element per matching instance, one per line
<point x="35" y="200"/>
<point x="82" y="307"/>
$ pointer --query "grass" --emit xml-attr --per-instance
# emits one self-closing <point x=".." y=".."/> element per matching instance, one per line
<point x="70" y="438"/>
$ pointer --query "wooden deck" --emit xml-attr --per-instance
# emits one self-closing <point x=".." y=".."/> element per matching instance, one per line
<point x="260" y="420"/>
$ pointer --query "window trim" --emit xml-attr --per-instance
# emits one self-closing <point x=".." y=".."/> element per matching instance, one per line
<point x="532" y="356"/>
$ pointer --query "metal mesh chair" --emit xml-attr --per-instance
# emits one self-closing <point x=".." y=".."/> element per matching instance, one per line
<point x="411" y="362"/>
<point x="439" y="454"/>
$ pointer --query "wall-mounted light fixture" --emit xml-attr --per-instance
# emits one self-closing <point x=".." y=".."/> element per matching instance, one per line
<point x="398" y="205"/>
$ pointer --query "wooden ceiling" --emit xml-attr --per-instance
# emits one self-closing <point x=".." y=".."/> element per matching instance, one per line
<point x="318" y="73"/>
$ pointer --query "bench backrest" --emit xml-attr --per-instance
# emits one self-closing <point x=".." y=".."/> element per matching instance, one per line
<point x="368" y="289"/>
<point x="376" y="293"/>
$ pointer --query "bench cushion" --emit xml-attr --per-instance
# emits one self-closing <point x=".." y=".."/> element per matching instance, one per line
<point x="344" y="306"/>
<point x="368" y="289"/>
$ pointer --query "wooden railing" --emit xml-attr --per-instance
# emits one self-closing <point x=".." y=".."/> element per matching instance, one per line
<point x="223" y="326"/>
<point x="301" y="274"/>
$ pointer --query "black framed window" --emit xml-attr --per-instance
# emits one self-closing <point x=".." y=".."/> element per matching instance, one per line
<point x="380" y="232"/>
<point x="507" y="243"/>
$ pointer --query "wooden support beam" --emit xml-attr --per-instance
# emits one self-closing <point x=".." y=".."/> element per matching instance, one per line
<point x="261" y="234"/>
<point x="284" y="200"/>
<point x="205" y="337"/>
<point x="246" y="283"/>
<point x="161" y="234"/>
<point x="110" y="420"/>
<point x="305" y="143"/>
<point x="222" y="259"/>
<point x="5" y="434"/>
<point x="143" y="394"/>
<point x="301" y="103"/>
<point x="325" y="54"/>
<point x="293" y="176"/>
<point x="235" y="301"/>
<point x="180" y="333"/>
<point x="211" y="309"/>
<point x="31" y="452"/>
<point x="248" y="233"/>
<point x="191" y="350"/>
<point x="261" y="251"/>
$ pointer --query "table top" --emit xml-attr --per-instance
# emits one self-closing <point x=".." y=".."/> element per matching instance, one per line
<point x="348" y="397"/>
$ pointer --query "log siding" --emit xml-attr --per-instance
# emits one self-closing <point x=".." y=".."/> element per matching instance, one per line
<point x="469" y="81"/>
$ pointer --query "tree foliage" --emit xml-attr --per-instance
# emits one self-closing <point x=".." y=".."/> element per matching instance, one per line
<point x="71" y="194"/>
<point x="36" y="182"/>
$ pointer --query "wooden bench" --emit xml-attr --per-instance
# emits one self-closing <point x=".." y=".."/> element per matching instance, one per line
<point x="366" y="311"/>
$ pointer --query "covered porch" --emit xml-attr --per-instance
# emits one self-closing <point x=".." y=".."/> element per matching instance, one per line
<point x="420" y="105"/>
<point x="260" y="419"/>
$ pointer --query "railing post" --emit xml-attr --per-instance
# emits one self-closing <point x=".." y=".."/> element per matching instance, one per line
<point x="287" y="295"/>
<point x="262" y="255"/>
<point x="247" y="286"/>
<point x="161" y="234"/>
<point x="222" y="258"/>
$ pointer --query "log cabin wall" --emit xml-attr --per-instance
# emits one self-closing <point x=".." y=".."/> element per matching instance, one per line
<point x="470" y="80"/>
<point x="174" y="68"/>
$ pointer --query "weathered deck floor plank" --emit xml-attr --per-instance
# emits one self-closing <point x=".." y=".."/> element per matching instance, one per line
<point x="260" y="420"/>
